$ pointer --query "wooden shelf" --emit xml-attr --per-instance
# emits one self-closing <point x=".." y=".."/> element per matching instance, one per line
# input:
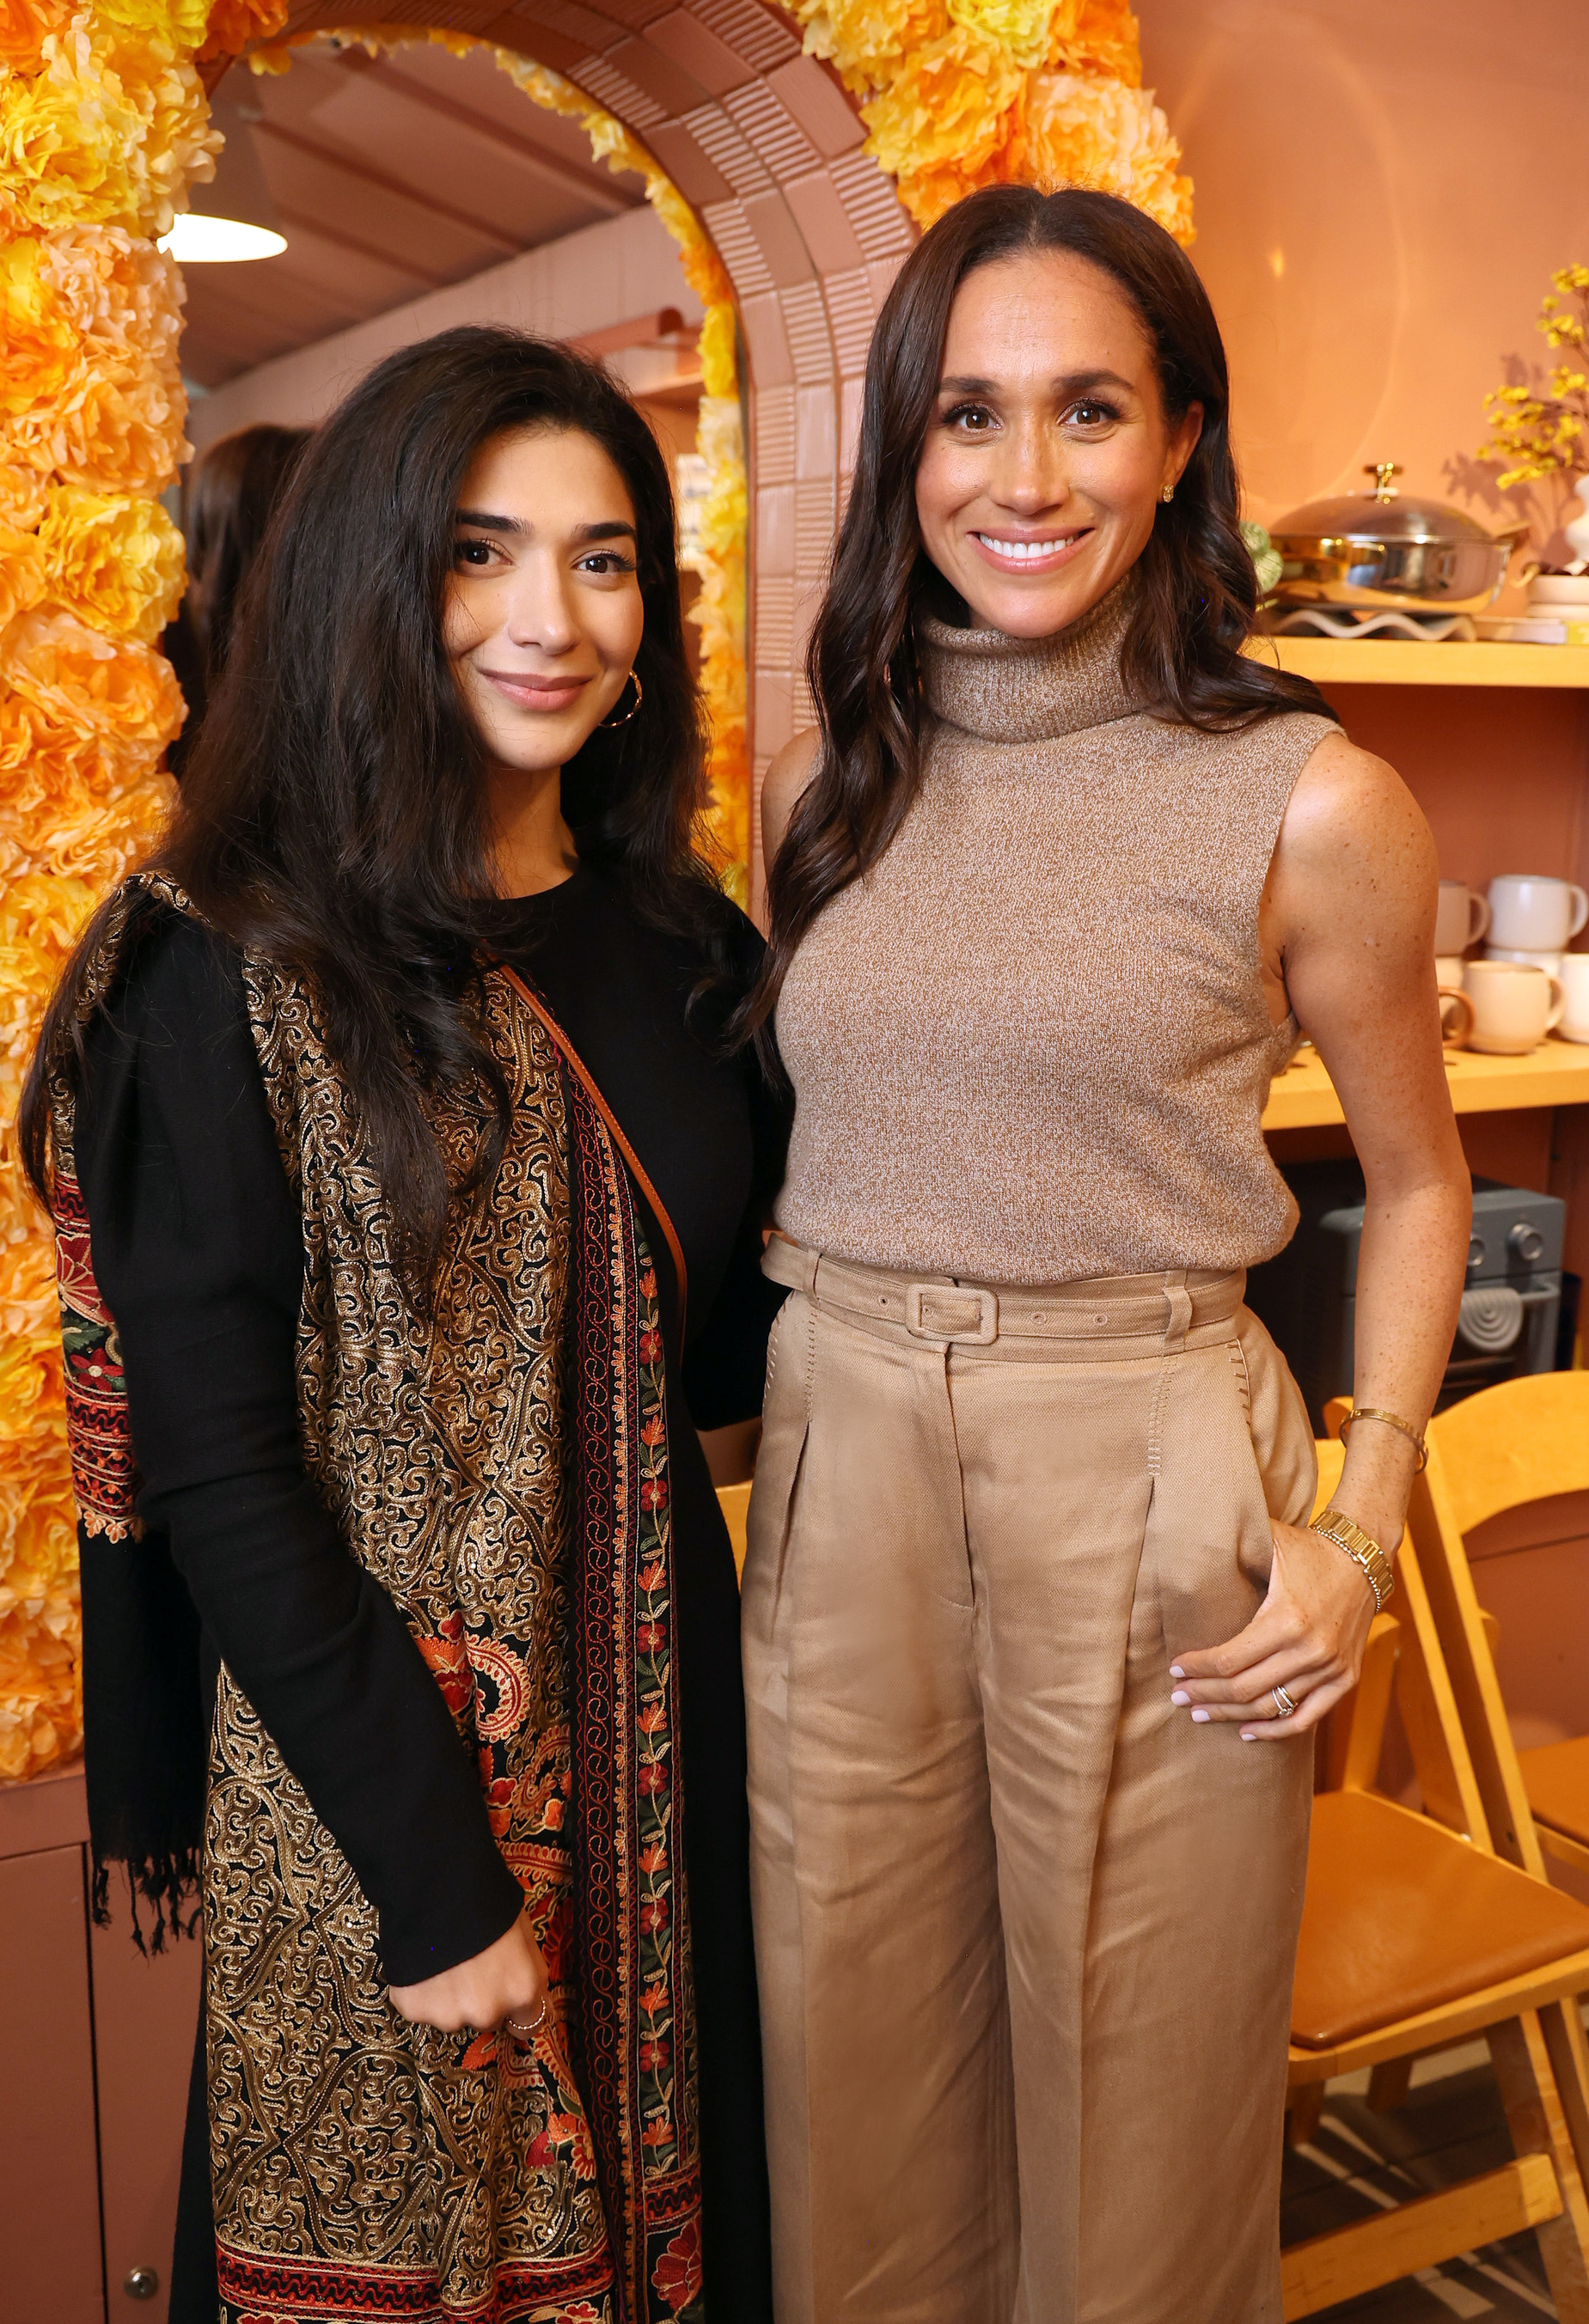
<point x="1410" y="661"/>
<point x="1554" y="1073"/>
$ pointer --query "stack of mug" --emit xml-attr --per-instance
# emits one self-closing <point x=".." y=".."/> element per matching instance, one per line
<point x="1528" y="983"/>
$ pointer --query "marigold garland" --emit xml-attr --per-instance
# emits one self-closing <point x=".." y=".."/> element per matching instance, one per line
<point x="103" y="124"/>
<point x="957" y="94"/>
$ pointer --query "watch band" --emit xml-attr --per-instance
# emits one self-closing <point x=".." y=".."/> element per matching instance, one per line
<point x="1363" y="1551"/>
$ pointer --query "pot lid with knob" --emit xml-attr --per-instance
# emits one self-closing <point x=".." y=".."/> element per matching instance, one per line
<point x="1385" y="514"/>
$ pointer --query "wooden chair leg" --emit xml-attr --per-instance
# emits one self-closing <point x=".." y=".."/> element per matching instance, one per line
<point x="1304" y="2108"/>
<point x="1563" y="2027"/>
<point x="1389" y="2083"/>
<point x="1539" y="2124"/>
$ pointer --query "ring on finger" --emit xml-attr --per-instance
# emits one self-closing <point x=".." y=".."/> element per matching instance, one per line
<point x="516" y="2025"/>
<point x="1284" y="1704"/>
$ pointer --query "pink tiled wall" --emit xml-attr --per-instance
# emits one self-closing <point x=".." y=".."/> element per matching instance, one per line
<point x="765" y="144"/>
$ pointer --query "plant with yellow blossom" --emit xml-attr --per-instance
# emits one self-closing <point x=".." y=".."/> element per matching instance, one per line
<point x="1542" y="430"/>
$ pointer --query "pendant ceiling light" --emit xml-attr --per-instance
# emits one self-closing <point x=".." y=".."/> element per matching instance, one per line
<point x="233" y="217"/>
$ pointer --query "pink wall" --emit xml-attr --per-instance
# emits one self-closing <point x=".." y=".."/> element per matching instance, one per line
<point x="1384" y="187"/>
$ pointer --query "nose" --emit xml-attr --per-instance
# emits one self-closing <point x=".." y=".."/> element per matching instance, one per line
<point x="539" y="605"/>
<point x="1031" y="475"/>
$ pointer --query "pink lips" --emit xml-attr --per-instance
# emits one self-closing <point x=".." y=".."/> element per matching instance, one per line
<point x="531" y="692"/>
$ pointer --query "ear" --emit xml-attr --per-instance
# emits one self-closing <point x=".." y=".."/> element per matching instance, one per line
<point x="1183" y="441"/>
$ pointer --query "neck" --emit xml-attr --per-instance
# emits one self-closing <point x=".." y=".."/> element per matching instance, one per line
<point x="532" y="846"/>
<point x="1010" y="689"/>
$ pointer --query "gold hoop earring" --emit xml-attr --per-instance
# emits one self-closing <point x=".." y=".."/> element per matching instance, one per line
<point x="1168" y="494"/>
<point x="639" y="698"/>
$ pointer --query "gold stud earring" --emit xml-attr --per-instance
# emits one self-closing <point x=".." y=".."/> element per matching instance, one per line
<point x="639" y="698"/>
<point x="1168" y="494"/>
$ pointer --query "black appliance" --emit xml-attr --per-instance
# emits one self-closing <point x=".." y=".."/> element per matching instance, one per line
<point x="1511" y="1306"/>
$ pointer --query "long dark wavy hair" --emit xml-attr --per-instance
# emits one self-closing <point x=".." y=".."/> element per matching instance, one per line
<point x="1196" y="594"/>
<point x="333" y="814"/>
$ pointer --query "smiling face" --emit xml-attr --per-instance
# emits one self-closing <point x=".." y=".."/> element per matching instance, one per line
<point x="543" y="615"/>
<point x="1048" y="446"/>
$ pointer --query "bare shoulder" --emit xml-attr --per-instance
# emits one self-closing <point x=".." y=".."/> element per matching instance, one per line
<point x="1352" y="817"/>
<point x="785" y="778"/>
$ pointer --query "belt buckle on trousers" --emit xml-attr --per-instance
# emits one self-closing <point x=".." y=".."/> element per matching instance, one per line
<point x="950" y="1297"/>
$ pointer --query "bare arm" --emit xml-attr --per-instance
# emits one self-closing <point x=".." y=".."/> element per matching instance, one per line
<point x="790" y="770"/>
<point x="1347" y="931"/>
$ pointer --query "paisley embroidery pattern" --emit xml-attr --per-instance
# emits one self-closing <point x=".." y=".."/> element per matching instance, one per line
<point x="503" y="1470"/>
<point x="99" y="1434"/>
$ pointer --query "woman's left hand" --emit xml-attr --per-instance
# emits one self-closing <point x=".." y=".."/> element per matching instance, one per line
<point x="1307" y="1636"/>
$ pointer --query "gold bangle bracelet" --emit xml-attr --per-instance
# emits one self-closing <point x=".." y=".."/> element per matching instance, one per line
<point x="1392" y="1420"/>
<point x="1363" y="1551"/>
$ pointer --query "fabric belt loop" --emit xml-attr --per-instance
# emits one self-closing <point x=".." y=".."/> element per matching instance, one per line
<point x="1180" y="1312"/>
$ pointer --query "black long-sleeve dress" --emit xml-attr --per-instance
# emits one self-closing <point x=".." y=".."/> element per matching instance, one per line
<point x="198" y="1248"/>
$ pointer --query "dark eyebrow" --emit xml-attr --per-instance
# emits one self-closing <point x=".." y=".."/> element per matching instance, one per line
<point x="1075" y="382"/>
<point x="482" y="521"/>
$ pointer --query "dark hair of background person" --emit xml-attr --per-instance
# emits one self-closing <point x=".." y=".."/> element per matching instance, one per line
<point x="1196" y="593"/>
<point x="231" y="492"/>
<point x="333" y="816"/>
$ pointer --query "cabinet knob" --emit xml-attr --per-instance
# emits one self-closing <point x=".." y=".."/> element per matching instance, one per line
<point x="141" y="2282"/>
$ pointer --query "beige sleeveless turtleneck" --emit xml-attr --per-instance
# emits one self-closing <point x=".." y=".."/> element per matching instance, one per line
<point x="1031" y="1045"/>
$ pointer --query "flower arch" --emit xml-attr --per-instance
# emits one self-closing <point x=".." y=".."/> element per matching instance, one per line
<point x="795" y="153"/>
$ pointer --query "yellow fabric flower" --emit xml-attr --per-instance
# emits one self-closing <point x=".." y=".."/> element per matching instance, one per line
<point x="1021" y="28"/>
<point x="1081" y="132"/>
<point x="181" y="22"/>
<point x="950" y="111"/>
<point x="114" y="560"/>
<point x="108" y="133"/>
<point x="867" y="40"/>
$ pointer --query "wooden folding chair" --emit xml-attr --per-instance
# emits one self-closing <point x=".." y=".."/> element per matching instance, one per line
<point x="1417" y="1936"/>
<point x="1526" y="1440"/>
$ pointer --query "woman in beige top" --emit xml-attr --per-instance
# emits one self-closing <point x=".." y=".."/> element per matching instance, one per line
<point x="1036" y="1629"/>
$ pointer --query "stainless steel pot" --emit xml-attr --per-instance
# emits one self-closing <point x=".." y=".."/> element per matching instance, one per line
<point x="1379" y="549"/>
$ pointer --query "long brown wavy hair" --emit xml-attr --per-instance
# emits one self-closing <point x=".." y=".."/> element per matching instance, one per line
<point x="333" y="817"/>
<point x="1197" y="594"/>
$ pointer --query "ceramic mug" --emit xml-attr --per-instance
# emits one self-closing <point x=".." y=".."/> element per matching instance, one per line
<point x="1457" y="1011"/>
<point x="1574" y="985"/>
<point x="1461" y="918"/>
<point x="1530" y="913"/>
<point x="1551" y="962"/>
<point x="1514" y="1007"/>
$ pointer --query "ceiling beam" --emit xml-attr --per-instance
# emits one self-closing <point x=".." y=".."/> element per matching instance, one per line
<point x="307" y="223"/>
<point x="598" y="187"/>
<point x="350" y="166"/>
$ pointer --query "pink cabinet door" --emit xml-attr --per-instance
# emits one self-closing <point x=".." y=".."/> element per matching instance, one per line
<point x="50" y="2259"/>
<point x="146" y="2016"/>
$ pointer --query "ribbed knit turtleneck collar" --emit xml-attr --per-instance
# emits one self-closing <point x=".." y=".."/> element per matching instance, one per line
<point x="1007" y="690"/>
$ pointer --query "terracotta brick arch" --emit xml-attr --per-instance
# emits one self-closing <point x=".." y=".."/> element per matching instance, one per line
<point x="765" y="144"/>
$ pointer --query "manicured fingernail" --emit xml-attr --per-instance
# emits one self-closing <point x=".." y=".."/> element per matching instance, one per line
<point x="1180" y="1698"/>
<point x="1248" y="1736"/>
<point x="1175" y="1670"/>
<point x="1202" y="1716"/>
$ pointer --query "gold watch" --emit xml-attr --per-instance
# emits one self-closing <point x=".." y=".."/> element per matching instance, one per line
<point x="1363" y="1549"/>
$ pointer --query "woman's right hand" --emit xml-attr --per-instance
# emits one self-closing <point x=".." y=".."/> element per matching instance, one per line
<point x="508" y="1980"/>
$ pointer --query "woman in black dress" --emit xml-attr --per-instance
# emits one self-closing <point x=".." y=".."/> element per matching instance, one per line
<point x="409" y="1218"/>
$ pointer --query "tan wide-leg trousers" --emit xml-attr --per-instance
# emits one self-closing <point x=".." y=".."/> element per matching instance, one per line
<point x="1024" y="1932"/>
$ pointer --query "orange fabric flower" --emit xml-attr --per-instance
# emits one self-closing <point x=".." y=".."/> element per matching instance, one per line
<point x="24" y="26"/>
<point x="233" y="23"/>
